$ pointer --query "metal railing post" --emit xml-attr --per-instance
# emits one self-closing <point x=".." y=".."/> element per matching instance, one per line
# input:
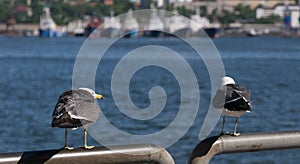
<point x="212" y="146"/>
<point x="142" y="153"/>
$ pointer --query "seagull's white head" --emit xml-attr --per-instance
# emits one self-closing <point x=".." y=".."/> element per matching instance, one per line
<point x="227" y="80"/>
<point x="96" y="96"/>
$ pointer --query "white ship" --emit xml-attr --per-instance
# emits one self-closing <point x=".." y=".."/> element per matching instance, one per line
<point x="178" y="25"/>
<point x="155" y="27"/>
<point x="130" y="26"/>
<point x="197" y="23"/>
<point x="48" y="28"/>
<point x="111" y="26"/>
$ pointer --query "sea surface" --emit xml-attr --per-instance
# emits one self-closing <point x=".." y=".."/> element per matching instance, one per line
<point x="34" y="71"/>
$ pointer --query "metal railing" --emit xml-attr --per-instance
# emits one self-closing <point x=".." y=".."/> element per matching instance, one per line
<point x="142" y="153"/>
<point x="212" y="146"/>
<point x="149" y="153"/>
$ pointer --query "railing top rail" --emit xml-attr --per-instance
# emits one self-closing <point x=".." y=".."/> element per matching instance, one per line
<point x="114" y="154"/>
<point x="212" y="146"/>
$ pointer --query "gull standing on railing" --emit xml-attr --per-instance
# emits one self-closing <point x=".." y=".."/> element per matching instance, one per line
<point x="232" y="100"/>
<point x="76" y="108"/>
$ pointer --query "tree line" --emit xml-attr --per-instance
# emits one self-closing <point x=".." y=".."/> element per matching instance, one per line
<point x="63" y="12"/>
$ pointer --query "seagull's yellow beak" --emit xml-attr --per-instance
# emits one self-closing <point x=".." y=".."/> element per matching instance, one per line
<point x="99" y="96"/>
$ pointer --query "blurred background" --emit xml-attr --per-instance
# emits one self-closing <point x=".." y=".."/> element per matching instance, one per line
<point x="39" y="40"/>
<point x="216" y="17"/>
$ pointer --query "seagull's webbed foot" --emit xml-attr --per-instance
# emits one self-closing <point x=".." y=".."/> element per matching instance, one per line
<point x="68" y="148"/>
<point x="87" y="147"/>
<point x="236" y="134"/>
<point x="225" y="133"/>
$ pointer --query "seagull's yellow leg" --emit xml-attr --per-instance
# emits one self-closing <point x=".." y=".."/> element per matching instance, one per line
<point x="85" y="142"/>
<point x="65" y="146"/>
<point x="235" y="127"/>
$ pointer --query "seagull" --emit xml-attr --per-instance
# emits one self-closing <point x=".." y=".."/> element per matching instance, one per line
<point x="76" y="108"/>
<point x="232" y="100"/>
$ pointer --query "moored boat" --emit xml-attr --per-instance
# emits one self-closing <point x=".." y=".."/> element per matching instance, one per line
<point x="155" y="26"/>
<point x="197" y="23"/>
<point x="130" y="26"/>
<point x="48" y="27"/>
<point x="111" y="26"/>
<point x="178" y="25"/>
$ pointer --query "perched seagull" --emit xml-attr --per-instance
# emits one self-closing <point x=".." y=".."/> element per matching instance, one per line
<point x="76" y="108"/>
<point x="232" y="100"/>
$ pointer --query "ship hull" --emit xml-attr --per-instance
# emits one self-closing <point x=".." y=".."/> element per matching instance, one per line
<point x="51" y="33"/>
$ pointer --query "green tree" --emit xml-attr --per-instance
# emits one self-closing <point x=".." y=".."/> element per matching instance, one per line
<point x="240" y="13"/>
<point x="244" y="12"/>
<point x="122" y="6"/>
<point x="4" y="8"/>
<point x="184" y="11"/>
<point x="269" y="20"/>
<point x="37" y="11"/>
<point x="61" y="11"/>
<point x="227" y="17"/>
<point x="169" y="7"/>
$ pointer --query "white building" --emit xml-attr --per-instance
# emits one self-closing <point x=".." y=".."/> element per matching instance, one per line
<point x="281" y="10"/>
<point x="278" y="10"/>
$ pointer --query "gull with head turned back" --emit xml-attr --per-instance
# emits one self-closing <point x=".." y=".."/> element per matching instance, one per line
<point x="232" y="100"/>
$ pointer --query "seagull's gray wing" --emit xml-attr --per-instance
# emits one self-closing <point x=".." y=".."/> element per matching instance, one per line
<point x="87" y="110"/>
<point x="75" y="108"/>
<point x="219" y="99"/>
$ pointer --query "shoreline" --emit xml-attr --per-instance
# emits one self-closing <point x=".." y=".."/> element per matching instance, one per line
<point x="32" y="30"/>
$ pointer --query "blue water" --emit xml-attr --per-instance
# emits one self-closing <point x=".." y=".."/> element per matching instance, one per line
<point x="34" y="71"/>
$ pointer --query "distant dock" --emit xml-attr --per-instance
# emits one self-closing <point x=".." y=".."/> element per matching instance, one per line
<point x="242" y="30"/>
<point x="19" y="30"/>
